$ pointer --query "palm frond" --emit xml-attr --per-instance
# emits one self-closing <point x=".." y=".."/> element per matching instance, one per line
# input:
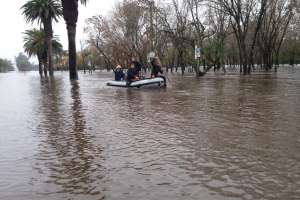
<point x="35" y="43"/>
<point x="42" y="10"/>
<point x="83" y="2"/>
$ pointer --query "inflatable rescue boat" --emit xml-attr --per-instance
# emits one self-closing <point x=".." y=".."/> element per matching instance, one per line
<point x="159" y="81"/>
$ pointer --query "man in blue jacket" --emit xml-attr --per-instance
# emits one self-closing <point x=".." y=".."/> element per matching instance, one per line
<point x="132" y="74"/>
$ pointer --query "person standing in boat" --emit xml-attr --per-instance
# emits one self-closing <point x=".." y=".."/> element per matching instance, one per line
<point x="156" y="67"/>
<point x="119" y="74"/>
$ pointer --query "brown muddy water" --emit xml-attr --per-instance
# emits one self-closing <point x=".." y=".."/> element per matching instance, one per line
<point x="214" y="138"/>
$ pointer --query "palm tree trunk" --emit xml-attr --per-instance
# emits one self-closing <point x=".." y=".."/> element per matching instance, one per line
<point x="49" y="55"/>
<point x="45" y="67"/>
<point x="49" y="33"/>
<point x="70" y="13"/>
<point x="40" y="66"/>
<point x="72" y="52"/>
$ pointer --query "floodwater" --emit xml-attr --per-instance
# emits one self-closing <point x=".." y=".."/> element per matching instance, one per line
<point x="214" y="138"/>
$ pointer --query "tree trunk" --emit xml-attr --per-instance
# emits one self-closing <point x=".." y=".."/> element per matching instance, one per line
<point x="244" y="57"/>
<point x="49" y="55"/>
<point x="257" y="29"/>
<point x="240" y="57"/>
<point x="45" y="67"/>
<point x="49" y="34"/>
<point x="196" y="68"/>
<point x="40" y="66"/>
<point x="72" y="51"/>
<point x="70" y="13"/>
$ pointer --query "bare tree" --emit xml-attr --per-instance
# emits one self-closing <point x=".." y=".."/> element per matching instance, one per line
<point x="274" y="27"/>
<point x="244" y="15"/>
<point x="239" y="32"/>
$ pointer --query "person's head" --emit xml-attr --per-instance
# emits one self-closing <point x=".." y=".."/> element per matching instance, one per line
<point x="132" y="65"/>
<point x="119" y="67"/>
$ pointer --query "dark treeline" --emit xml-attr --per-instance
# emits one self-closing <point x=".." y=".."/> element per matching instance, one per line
<point x="6" y="65"/>
<point x="23" y="63"/>
<point x="244" y="33"/>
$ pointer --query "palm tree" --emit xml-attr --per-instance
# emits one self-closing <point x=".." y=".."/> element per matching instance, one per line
<point x="70" y="13"/>
<point x="44" y="12"/>
<point x="35" y="45"/>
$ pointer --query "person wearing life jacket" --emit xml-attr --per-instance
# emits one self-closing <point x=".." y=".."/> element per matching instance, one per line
<point x="119" y="74"/>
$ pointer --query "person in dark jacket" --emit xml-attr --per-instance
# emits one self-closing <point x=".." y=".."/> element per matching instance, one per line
<point x="131" y="74"/>
<point x="119" y="74"/>
<point x="137" y="66"/>
<point x="156" y="67"/>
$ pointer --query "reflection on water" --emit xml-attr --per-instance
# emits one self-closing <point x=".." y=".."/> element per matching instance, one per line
<point x="217" y="137"/>
<point x="66" y="152"/>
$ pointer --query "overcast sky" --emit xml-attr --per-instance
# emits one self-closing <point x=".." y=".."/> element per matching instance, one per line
<point x="13" y="24"/>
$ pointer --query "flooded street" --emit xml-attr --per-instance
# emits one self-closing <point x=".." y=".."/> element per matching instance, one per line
<point x="213" y="138"/>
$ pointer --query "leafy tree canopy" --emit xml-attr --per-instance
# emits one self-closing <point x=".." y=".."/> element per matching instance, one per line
<point x="6" y="65"/>
<point x="23" y="63"/>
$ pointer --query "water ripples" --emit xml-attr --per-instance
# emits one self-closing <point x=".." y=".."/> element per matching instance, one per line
<point x="218" y="137"/>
